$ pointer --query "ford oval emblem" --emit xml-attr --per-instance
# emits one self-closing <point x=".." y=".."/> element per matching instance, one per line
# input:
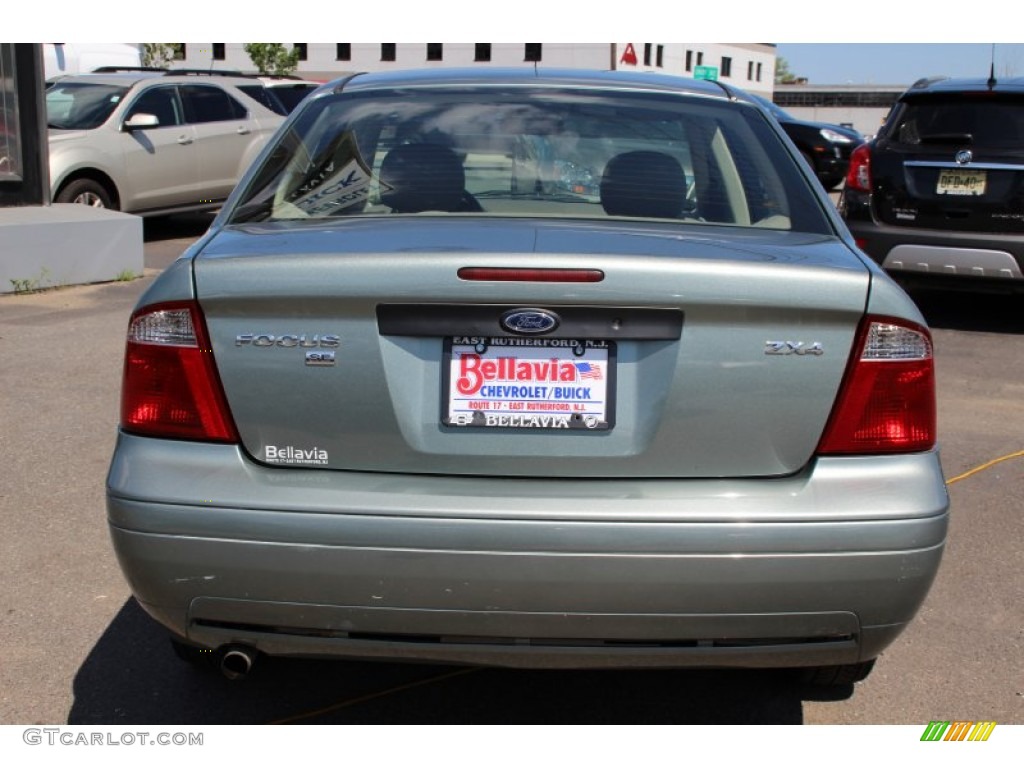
<point x="529" y="321"/>
<point x="964" y="156"/>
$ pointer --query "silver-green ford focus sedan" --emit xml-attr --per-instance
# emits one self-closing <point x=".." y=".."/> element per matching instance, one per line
<point x="546" y="369"/>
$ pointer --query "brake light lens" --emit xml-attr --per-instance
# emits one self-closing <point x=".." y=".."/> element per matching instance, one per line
<point x="171" y="388"/>
<point x="858" y="176"/>
<point x="886" y="403"/>
<point x="524" y="275"/>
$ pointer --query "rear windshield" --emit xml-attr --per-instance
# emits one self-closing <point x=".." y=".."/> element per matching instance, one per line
<point x="983" y="119"/>
<point x="537" y="153"/>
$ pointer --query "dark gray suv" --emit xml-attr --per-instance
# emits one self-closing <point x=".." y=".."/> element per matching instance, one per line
<point x="938" y="197"/>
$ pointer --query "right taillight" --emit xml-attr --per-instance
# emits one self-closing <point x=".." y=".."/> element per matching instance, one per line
<point x="886" y="403"/>
<point x="858" y="175"/>
<point x="171" y="387"/>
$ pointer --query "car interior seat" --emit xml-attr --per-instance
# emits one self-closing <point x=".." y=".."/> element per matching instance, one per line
<point x="643" y="183"/>
<point x="424" y="177"/>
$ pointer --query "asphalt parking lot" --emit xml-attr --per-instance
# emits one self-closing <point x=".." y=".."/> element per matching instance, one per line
<point x="75" y="648"/>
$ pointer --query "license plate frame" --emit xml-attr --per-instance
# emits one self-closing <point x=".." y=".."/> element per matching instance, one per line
<point x="527" y="384"/>
<point x="958" y="182"/>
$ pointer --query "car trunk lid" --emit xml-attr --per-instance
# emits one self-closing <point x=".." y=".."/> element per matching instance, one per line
<point x="709" y="354"/>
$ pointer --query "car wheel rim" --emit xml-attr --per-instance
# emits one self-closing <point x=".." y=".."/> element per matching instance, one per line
<point x="91" y="199"/>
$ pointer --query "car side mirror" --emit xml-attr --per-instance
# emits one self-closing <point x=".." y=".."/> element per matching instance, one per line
<point x="141" y="120"/>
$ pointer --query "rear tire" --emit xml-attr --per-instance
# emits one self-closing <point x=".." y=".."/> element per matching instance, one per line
<point x="86" y="192"/>
<point x="840" y="674"/>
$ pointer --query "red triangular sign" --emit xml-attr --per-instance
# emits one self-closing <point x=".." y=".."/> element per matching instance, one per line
<point x="629" y="55"/>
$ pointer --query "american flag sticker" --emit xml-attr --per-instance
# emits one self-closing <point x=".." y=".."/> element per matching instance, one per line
<point x="588" y="371"/>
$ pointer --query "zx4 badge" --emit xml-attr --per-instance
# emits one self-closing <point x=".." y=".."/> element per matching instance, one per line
<point x="793" y="348"/>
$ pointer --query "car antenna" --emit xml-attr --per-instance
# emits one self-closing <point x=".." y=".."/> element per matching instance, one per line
<point x="992" y="69"/>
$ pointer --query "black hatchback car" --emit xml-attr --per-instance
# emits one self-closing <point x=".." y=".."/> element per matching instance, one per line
<point x="937" y="198"/>
<point x="825" y="147"/>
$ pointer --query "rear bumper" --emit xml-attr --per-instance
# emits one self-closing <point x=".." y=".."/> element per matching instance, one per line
<point x="780" y="572"/>
<point x="955" y="259"/>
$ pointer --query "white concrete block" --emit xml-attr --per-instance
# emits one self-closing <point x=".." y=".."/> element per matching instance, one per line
<point x="66" y="244"/>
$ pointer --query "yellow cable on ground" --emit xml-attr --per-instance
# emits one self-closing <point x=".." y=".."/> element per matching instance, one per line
<point x="985" y="466"/>
<point x="369" y="696"/>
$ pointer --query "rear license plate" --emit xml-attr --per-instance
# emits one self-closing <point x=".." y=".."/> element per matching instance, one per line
<point x="957" y="182"/>
<point x="521" y="383"/>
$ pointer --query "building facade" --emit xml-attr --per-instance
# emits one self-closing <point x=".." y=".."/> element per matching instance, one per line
<point x="750" y="66"/>
<point x="863" y="107"/>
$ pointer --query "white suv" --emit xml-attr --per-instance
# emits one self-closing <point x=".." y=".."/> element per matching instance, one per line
<point x="153" y="142"/>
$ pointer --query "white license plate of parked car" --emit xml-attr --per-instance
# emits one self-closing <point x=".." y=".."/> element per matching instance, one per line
<point x="957" y="182"/>
<point x="526" y="383"/>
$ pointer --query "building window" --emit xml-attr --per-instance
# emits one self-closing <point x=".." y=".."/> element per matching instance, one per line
<point x="302" y="49"/>
<point x="532" y="52"/>
<point x="750" y="70"/>
<point x="814" y="98"/>
<point x="179" y="51"/>
<point x="660" y="54"/>
<point x="759" y="71"/>
<point x="343" y="51"/>
<point x="387" y="51"/>
<point x="482" y="52"/>
<point x="647" y="54"/>
<point x="435" y="51"/>
<point x="700" y="58"/>
<point x="689" y="61"/>
<point x="218" y="52"/>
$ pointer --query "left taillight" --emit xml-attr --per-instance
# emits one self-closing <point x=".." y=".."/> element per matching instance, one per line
<point x="171" y="387"/>
<point x="858" y="175"/>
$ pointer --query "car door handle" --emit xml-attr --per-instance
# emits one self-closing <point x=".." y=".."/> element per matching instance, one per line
<point x="184" y="140"/>
<point x="243" y="130"/>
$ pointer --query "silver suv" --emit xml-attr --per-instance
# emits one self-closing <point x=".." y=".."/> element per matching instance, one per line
<point x="153" y="142"/>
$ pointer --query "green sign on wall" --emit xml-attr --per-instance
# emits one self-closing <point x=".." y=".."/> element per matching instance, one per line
<point x="705" y="73"/>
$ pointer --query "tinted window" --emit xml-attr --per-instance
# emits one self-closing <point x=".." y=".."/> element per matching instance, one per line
<point x="209" y="104"/>
<point x="555" y="153"/>
<point x="291" y="95"/>
<point x="264" y="97"/>
<point x="989" y="120"/>
<point x="161" y="102"/>
<point x="81" y="106"/>
<point x="778" y="112"/>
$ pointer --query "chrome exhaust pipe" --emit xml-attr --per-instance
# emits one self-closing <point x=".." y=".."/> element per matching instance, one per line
<point x="236" y="661"/>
